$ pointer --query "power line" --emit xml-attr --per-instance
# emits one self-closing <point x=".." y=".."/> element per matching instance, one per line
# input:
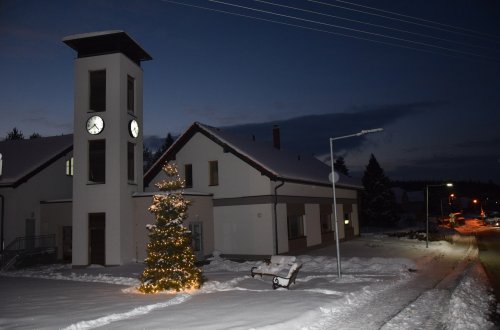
<point x="421" y="19"/>
<point x="398" y="19"/>
<point x="375" y="25"/>
<point x="322" y="31"/>
<point x="357" y="30"/>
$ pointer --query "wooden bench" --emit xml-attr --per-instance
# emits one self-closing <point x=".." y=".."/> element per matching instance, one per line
<point x="273" y="266"/>
<point x="283" y="269"/>
<point x="284" y="282"/>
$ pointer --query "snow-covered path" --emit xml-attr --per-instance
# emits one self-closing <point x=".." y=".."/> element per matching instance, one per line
<point x="444" y="289"/>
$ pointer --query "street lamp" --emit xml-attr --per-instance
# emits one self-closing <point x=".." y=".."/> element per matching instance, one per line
<point x="427" y="207"/>
<point x="333" y="179"/>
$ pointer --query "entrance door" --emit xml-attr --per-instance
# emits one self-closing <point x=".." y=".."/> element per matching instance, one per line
<point x="67" y="243"/>
<point x="97" y="230"/>
<point x="196" y="229"/>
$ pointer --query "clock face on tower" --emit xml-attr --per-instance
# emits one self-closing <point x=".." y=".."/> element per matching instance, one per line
<point x="95" y="125"/>
<point x="133" y="128"/>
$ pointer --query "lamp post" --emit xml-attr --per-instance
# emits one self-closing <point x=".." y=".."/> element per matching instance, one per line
<point x="427" y="207"/>
<point x="363" y="132"/>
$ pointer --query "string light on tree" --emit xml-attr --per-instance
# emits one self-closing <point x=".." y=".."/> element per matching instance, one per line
<point x="170" y="263"/>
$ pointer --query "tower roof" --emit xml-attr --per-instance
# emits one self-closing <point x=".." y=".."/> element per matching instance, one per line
<point x="107" y="42"/>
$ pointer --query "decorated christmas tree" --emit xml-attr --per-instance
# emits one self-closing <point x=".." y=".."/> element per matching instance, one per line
<point x="170" y="262"/>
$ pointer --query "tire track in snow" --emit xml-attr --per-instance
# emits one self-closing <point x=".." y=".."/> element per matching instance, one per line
<point x="142" y="310"/>
<point x="427" y="309"/>
<point x="440" y="274"/>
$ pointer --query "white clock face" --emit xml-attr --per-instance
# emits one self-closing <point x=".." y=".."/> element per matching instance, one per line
<point x="95" y="125"/>
<point x="133" y="128"/>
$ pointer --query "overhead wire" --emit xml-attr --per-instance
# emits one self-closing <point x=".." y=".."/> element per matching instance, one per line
<point x="422" y="19"/>
<point x="450" y="52"/>
<point x="396" y="19"/>
<point x="356" y="30"/>
<point x="373" y="24"/>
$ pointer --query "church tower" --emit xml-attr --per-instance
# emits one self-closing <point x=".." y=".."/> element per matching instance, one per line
<point x="108" y="145"/>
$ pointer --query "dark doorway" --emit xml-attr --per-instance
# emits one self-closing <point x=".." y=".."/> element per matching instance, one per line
<point x="97" y="230"/>
<point x="67" y="248"/>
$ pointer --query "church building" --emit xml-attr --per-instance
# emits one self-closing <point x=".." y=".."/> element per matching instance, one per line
<point x="84" y="195"/>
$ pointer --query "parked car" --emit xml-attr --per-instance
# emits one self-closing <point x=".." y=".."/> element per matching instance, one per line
<point x="493" y="219"/>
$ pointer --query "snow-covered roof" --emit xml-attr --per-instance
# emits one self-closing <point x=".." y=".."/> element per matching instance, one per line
<point x="22" y="159"/>
<point x="275" y="163"/>
<point x="107" y="42"/>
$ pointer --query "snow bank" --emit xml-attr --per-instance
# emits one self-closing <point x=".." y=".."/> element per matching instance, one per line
<point x="471" y="302"/>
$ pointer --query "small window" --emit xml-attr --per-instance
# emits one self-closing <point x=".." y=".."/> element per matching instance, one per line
<point x="97" y="95"/>
<point x="97" y="161"/>
<point x="213" y="173"/>
<point x="188" y="175"/>
<point x="69" y="167"/>
<point x="130" y="94"/>
<point x="347" y="218"/>
<point x="131" y="162"/>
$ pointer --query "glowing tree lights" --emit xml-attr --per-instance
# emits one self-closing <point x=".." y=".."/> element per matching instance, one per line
<point x="170" y="262"/>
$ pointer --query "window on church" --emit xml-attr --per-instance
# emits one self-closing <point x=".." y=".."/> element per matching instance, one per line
<point x="213" y="167"/>
<point x="130" y="94"/>
<point x="97" y="161"/>
<point x="188" y="175"/>
<point x="69" y="167"/>
<point x="131" y="162"/>
<point x="97" y="86"/>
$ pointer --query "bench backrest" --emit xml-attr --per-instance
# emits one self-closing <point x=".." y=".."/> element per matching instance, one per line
<point x="282" y="260"/>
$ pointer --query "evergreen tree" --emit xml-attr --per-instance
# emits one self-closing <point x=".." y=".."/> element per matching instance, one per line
<point x="379" y="203"/>
<point x="147" y="158"/>
<point x="169" y="140"/>
<point x="170" y="263"/>
<point x="15" y="134"/>
<point x="340" y="166"/>
<point x="35" y="136"/>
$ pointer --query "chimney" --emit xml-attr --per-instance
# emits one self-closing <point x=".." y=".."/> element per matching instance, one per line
<point x="276" y="137"/>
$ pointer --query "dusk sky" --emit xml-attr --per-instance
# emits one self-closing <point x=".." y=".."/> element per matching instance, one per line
<point x="317" y="69"/>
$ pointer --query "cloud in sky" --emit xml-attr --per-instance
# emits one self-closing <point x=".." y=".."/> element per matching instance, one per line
<point x="311" y="133"/>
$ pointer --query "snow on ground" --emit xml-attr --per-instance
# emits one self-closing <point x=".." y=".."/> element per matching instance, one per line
<point x="386" y="282"/>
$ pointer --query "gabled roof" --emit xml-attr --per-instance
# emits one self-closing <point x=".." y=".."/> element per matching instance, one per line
<point x="22" y="159"/>
<point x="274" y="163"/>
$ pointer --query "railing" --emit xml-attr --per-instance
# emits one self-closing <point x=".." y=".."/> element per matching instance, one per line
<point x="31" y="242"/>
<point x="22" y="247"/>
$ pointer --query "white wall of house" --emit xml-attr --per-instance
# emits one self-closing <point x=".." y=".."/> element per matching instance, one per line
<point x="236" y="178"/>
<point x="23" y="202"/>
<point x="282" y="228"/>
<point x="244" y="229"/>
<point x="313" y="227"/>
<point x="54" y="216"/>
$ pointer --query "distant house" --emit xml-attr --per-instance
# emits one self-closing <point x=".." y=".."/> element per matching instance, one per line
<point x="265" y="200"/>
<point x="33" y="170"/>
